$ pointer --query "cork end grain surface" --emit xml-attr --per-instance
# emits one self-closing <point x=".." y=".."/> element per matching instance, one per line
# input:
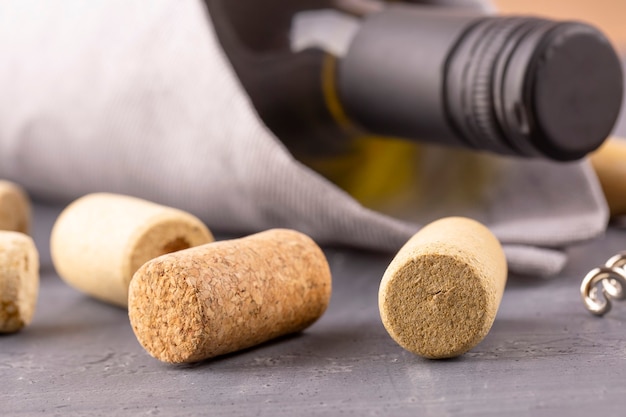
<point x="166" y="313"/>
<point x="226" y="296"/>
<point x="439" y="307"/>
<point x="439" y="296"/>
<point x="19" y="281"/>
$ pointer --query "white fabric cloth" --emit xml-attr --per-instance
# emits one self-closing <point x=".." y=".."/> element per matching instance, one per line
<point x="137" y="97"/>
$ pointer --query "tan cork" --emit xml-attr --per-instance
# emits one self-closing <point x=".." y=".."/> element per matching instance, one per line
<point x="229" y="295"/>
<point x="19" y="280"/>
<point x="100" y="240"/>
<point x="439" y="296"/>
<point x="609" y="163"/>
<point x="15" y="210"/>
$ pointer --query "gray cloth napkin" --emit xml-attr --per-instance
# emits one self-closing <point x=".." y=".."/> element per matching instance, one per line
<point x="137" y="97"/>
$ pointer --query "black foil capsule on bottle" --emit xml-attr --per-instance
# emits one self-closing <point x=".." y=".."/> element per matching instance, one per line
<point x="514" y="85"/>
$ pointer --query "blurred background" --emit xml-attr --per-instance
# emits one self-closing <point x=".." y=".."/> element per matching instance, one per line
<point x="609" y="15"/>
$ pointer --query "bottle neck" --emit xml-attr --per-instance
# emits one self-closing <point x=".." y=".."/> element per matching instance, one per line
<point x="510" y="85"/>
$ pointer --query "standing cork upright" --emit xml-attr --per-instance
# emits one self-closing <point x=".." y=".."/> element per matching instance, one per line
<point x="230" y="295"/>
<point x="100" y="240"/>
<point x="439" y="296"/>
<point x="15" y="208"/>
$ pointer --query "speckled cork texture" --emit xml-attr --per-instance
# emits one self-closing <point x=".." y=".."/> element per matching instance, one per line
<point x="15" y="210"/>
<point x="609" y="163"/>
<point x="19" y="280"/>
<point x="226" y="296"/>
<point x="439" y="296"/>
<point x="100" y="240"/>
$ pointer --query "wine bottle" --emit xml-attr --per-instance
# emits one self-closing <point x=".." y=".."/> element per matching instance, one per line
<point x="513" y="85"/>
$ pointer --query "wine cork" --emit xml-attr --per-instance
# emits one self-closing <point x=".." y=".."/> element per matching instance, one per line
<point x="15" y="208"/>
<point x="100" y="240"/>
<point x="19" y="280"/>
<point x="439" y="296"/>
<point x="609" y="163"/>
<point x="229" y="295"/>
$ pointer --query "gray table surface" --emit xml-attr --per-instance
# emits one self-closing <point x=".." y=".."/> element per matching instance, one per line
<point x="545" y="355"/>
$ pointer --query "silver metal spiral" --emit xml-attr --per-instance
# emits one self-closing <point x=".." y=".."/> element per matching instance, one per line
<point x="605" y="284"/>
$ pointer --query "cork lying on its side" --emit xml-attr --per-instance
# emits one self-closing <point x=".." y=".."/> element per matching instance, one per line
<point x="609" y="163"/>
<point x="439" y="296"/>
<point x="100" y="240"/>
<point x="19" y="280"/>
<point x="230" y="295"/>
<point x="15" y="208"/>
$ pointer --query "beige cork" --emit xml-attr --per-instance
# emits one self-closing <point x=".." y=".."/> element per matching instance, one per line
<point x="100" y="240"/>
<point x="19" y="280"/>
<point x="230" y="295"/>
<point x="439" y="296"/>
<point x="15" y="210"/>
<point x="609" y="162"/>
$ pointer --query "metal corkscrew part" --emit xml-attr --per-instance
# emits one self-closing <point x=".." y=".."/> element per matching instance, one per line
<point x="605" y="284"/>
